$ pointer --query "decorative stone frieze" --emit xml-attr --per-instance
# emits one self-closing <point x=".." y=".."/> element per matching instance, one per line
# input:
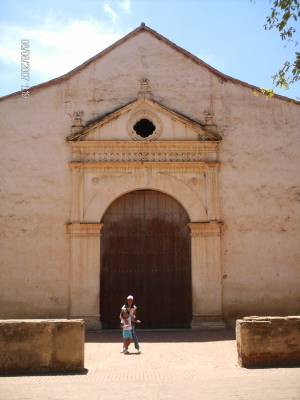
<point x="150" y="151"/>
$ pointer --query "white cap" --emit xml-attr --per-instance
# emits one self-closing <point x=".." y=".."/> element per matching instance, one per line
<point x="129" y="297"/>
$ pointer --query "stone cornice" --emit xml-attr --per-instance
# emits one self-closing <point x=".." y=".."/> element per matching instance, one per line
<point x="205" y="228"/>
<point x="84" y="229"/>
<point x="130" y="166"/>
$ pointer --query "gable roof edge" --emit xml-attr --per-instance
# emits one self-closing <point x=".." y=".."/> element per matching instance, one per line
<point x="144" y="27"/>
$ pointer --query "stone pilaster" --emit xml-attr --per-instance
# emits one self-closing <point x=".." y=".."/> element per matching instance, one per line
<point x="77" y="194"/>
<point x="84" y="286"/>
<point x="212" y="191"/>
<point x="206" y="275"/>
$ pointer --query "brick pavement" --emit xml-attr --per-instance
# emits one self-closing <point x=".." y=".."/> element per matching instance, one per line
<point x="184" y="365"/>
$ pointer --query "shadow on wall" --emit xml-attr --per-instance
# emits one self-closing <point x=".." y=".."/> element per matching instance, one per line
<point x="114" y="336"/>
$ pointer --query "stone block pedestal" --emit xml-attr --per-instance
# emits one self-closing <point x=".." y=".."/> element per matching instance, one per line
<point x="268" y="341"/>
<point x="41" y="345"/>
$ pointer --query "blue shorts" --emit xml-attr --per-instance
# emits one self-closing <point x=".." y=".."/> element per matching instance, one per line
<point x="127" y="334"/>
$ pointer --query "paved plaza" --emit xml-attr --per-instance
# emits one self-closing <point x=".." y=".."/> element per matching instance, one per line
<point x="183" y="365"/>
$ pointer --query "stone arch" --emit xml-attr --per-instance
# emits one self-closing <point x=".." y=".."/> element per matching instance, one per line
<point x="145" y="188"/>
<point x="190" y="199"/>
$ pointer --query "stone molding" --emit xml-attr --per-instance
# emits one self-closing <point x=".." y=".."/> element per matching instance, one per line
<point x="130" y="166"/>
<point x="202" y="131"/>
<point x="205" y="228"/>
<point x="84" y="229"/>
<point x="149" y="151"/>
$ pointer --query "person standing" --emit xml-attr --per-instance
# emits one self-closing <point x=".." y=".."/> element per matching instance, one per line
<point x="127" y="330"/>
<point x="131" y="308"/>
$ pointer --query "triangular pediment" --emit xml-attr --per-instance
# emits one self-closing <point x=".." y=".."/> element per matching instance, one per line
<point x="120" y="124"/>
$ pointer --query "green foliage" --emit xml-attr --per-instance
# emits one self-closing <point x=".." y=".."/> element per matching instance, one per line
<point x="267" y="92"/>
<point x="284" y="13"/>
<point x="262" y="91"/>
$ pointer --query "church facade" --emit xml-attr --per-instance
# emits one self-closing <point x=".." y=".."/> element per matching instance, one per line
<point x="145" y="171"/>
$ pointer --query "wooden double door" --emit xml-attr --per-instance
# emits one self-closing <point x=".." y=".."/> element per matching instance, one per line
<point x="146" y="252"/>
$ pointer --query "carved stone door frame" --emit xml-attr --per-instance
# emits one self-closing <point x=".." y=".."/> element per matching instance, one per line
<point x="97" y="183"/>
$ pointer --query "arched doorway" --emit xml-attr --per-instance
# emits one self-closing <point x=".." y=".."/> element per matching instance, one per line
<point x="146" y="251"/>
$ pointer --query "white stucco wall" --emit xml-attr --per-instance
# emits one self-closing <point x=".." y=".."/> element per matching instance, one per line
<point x="259" y="178"/>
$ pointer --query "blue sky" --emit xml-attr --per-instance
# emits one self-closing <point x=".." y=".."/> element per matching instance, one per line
<point x="227" y="34"/>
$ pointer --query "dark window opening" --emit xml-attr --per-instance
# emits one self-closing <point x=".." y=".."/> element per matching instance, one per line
<point x="144" y="128"/>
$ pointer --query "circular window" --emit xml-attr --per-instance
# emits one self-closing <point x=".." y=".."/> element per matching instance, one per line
<point x="144" y="127"/>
